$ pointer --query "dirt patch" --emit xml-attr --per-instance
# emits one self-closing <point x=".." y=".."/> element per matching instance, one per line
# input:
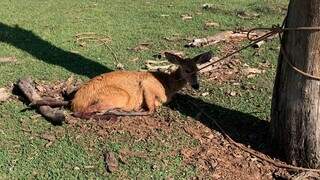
<point x="213" y="156"/>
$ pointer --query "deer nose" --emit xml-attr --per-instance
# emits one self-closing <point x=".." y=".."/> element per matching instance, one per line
<point x="195" y="86"/>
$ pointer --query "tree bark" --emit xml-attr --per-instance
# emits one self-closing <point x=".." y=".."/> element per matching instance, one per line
<point x="295" y="123"/>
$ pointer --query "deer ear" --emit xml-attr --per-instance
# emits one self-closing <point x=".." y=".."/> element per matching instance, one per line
<point x="173" y="58"/>
<point x="203" y="58"/>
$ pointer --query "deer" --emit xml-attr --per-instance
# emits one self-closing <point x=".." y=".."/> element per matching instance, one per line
<point x="128" y="92"/>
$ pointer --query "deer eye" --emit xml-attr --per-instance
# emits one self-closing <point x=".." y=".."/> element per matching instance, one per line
<point x="189" y="71"/>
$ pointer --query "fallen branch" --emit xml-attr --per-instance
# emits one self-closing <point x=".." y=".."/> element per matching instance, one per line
<point x="49" y="102"/>
<point x="53" y="115"/>
<point x="224" y="36"/>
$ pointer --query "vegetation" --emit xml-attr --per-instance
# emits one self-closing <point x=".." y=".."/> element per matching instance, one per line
<point x="41" y="36"/>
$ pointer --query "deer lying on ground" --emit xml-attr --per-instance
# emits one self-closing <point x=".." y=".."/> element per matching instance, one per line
<point x="127" y="92"/>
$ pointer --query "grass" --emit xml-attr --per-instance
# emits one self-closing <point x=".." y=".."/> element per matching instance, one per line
<point x="41" y="35"/>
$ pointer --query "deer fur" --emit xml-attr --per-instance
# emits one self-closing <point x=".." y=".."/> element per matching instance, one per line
<point x="131" y="91"/>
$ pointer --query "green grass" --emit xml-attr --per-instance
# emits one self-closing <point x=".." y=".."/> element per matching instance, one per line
<point x="41" y="35"/>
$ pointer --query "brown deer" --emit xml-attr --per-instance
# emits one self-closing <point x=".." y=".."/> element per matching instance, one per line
<point x="127" y="92"/>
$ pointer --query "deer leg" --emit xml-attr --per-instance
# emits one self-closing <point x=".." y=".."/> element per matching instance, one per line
<point x="126" y="113"/>
<point x="150" y="100"/>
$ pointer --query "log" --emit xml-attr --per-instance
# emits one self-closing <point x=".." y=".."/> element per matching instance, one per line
<point x="53" y="115"/>
<point x="226" y="36"/>
<point x="295" y="117"/>
<point x="50" y="102"/>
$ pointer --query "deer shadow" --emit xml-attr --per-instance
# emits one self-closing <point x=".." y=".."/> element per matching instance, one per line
<point x="241" y="127"/>
<point x="45" y="51"/>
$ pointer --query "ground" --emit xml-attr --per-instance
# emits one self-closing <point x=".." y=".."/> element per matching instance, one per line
<point x="53" y="40"/>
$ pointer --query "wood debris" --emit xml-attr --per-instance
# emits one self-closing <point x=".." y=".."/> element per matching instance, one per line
<point x="8" y="59"/>
<point x="258" y="44"/>
<point x="111" y="162"/>
<point x="70" y="87"/>
<point x="48" y="137"/>
<point x="207" y="6"/>
<point x="186" y="17"/>
<point x="247" y="15"/>
<point x="4" y="94"/>
<point x="251" y="72"/>
<point x="120" y="66"/>
<point x="164" y="15"/>
<point x="225" y="36"/>
<point x="210" y="24"/>
<point x="26" y="85"/>
<point x="163" y="66"/>
<point x="211" y="40"/>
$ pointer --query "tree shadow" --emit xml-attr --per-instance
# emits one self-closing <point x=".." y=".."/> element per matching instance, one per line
<point x="241" y="127"/>
<point x="45" y="51"/>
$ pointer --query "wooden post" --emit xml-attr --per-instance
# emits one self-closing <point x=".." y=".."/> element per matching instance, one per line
<point x="295" y="115"/>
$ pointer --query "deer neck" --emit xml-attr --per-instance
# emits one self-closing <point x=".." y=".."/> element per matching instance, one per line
<point x="172" y="82"/>
<point x="176" y="81"/>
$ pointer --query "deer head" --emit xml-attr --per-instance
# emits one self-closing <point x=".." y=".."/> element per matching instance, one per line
<point x="188" y="69"/>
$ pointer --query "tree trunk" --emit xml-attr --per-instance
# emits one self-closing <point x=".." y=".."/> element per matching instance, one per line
<point x="295" y="123"/>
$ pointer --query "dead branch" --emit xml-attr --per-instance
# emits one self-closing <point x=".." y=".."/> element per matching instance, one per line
<point x="224" y="36"/>
<point x="50" y="102"/>
<point x="53" y="115"/>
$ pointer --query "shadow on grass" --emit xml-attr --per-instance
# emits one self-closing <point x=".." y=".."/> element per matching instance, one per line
<point x="241" y="127"/>
<point x="45" y="51"/>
